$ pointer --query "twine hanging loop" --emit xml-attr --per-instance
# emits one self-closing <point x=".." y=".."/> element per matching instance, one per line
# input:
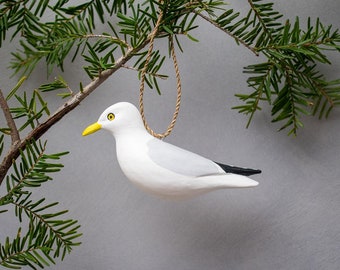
<point x="142" y="82"/>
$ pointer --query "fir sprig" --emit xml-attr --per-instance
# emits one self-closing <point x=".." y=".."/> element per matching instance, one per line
<point x="289" y="79"/>
<point x="33" y="169"/>
<point x="49" y="234"/>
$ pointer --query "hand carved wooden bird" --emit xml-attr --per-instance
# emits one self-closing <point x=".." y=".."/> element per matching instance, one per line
<point x="161" y="168"/>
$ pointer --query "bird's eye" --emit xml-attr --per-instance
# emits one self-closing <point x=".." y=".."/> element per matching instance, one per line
<point x="110" y="116"/>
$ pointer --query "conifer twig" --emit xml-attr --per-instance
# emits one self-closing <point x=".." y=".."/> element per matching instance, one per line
<point x="253" y="50"/>
<point x="102" y="36"/>
<point x="67" y="107"/>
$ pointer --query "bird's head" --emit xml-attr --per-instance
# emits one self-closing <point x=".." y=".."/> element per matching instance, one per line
<point x="117" y="117"/>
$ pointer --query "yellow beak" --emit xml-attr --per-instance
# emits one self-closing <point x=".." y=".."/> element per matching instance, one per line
<point x="92" y="129"/>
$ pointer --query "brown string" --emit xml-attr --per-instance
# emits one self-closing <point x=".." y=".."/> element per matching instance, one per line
<point x="178" y="78"/>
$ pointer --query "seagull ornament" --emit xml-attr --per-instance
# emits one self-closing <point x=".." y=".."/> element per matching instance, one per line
<point x="161" y="168"/>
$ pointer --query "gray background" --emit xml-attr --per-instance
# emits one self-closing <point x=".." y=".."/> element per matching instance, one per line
<point x="290" y="221"/>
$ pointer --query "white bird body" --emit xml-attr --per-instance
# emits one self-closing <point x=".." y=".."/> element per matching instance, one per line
<point x="161" y="168"/>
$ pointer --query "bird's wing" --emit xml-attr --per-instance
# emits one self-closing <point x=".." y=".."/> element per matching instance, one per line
<point x="181" y="161"/>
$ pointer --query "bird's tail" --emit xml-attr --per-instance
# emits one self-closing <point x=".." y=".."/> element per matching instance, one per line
<point x="238" y="170"/>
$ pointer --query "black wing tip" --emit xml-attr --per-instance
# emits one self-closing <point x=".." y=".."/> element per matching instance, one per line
<point x="238" y="170"/>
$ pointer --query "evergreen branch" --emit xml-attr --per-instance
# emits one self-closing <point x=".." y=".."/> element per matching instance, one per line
<point x="290" y="111"/>
<point x="98" y="63"/>
<point x="229" y="33"/>
<point x="103" y="36"/>
<point x="10" y="121"/>
<point x="160" y="76"/>
<point x="58" y="83"/>
<point x="47" y="234"/>
<point x="90" y="7"/>
<point x="257" y="11"/>
<point x="32" y="109"/>
<point x="31" y="171"/>
<point x="67" y="107"/>
<point x="329" y="96"/>
<point x="61" y="39"/>
<point x="260" y="31"/>
<point x="24" y="16"/>
<point x="262" y="83"/>
<point x="154" y="64"/>
<point x="294" y="55"/>
<point x="61" y="232"/>
<point x="137" y="26"/>
<point x="16" y="253"/>
<point x="254" y="30"/>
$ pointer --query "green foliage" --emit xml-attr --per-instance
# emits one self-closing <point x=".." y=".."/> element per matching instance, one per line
<point x="289" y="79"/>
<point x="97" y="63"/>
<point x="54" y="40"/>
<point x="58" y="83"/>
<point x="49" y="234"/>
<point x="135" y="27"/>
<point x="30" y="109"/>
<point x="154" y="65"/>
<point x="23" y="15"/>
<point x="33" y="169"/>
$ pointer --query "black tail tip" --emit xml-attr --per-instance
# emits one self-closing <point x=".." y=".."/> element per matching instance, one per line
<point x="238" y="170"/>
